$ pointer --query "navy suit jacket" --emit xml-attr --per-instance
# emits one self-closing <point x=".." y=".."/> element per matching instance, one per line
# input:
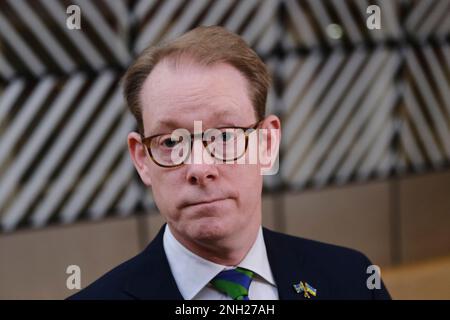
<point x="336" y="272"/>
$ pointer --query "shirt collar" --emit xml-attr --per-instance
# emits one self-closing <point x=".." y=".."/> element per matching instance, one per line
<point x="192" y="272"/>
<point x="257" y="261"/>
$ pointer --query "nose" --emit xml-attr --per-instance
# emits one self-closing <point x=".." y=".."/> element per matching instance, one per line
<point x="201" y="171"/>
<point x="201" y="174"/>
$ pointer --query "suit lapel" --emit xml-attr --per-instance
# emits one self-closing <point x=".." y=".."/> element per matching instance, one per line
<point x="151" y="278"/>
<point x="284" y="265"/>
<point x="290" y="266"/>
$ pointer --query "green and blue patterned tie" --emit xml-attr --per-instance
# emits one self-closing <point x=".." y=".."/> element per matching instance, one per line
<point x="234" y="283"/>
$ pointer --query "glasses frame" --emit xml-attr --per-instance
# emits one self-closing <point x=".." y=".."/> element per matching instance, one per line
<point x="146" y="141"/>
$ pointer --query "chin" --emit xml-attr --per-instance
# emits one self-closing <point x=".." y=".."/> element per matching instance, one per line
<point x="210" y="229"/>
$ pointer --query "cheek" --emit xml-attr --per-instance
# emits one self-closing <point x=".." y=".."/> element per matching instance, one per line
<point x="247" y="173"/>
<point x="163" y="191"/>
<point x="247" y="180"/>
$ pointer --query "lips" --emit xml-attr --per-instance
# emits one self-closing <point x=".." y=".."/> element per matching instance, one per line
<point x="201" y="202"/>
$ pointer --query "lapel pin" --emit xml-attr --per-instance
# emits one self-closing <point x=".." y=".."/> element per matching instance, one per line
<point x="306" y="288"/>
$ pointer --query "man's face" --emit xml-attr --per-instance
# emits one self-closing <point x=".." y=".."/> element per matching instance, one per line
<point x="201" y="202"/>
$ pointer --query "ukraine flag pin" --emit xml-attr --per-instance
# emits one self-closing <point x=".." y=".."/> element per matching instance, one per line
<point x="306" y="289"/>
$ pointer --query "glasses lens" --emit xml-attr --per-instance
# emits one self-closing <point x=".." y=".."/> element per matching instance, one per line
<point x="170" y="150"/>
<point x="226" y="144"/>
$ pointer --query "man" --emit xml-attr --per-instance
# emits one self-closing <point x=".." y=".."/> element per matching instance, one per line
<point x="213" y="245"/>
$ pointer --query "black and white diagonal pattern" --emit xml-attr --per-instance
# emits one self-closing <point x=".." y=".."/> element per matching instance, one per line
<point x="355" y="105"/>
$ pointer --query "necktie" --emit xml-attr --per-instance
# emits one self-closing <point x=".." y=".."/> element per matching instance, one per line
<point x="234" y="283"/>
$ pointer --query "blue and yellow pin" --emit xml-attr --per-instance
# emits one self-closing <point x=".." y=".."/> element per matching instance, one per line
<point x="306" y="288"/>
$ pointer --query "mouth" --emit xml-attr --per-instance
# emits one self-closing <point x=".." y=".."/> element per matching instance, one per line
<point x="203" y="202"/>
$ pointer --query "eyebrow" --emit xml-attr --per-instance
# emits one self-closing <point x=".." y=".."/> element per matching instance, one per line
<point x="167" y="123"/>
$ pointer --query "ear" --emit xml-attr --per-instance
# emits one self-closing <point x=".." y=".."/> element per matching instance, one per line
<point x="270" y="138"/>
<point x="139" y="156"/>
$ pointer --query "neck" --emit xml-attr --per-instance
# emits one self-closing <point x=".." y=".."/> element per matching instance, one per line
<point x="229" y="252"/>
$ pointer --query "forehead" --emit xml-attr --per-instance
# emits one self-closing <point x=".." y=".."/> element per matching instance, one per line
<point x="177" y="95"/>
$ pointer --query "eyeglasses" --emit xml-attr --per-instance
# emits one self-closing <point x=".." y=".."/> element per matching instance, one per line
<point x="172" y="150"/>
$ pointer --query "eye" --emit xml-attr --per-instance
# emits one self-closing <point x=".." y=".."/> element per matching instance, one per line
<point x="226" y="136"/>
<point x="170" y="143"/>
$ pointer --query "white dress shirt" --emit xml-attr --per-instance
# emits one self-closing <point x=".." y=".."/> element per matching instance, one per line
<point x="193" y="273"/>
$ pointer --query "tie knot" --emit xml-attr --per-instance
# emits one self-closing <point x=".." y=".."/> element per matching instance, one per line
<point x="234" y="282"/>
